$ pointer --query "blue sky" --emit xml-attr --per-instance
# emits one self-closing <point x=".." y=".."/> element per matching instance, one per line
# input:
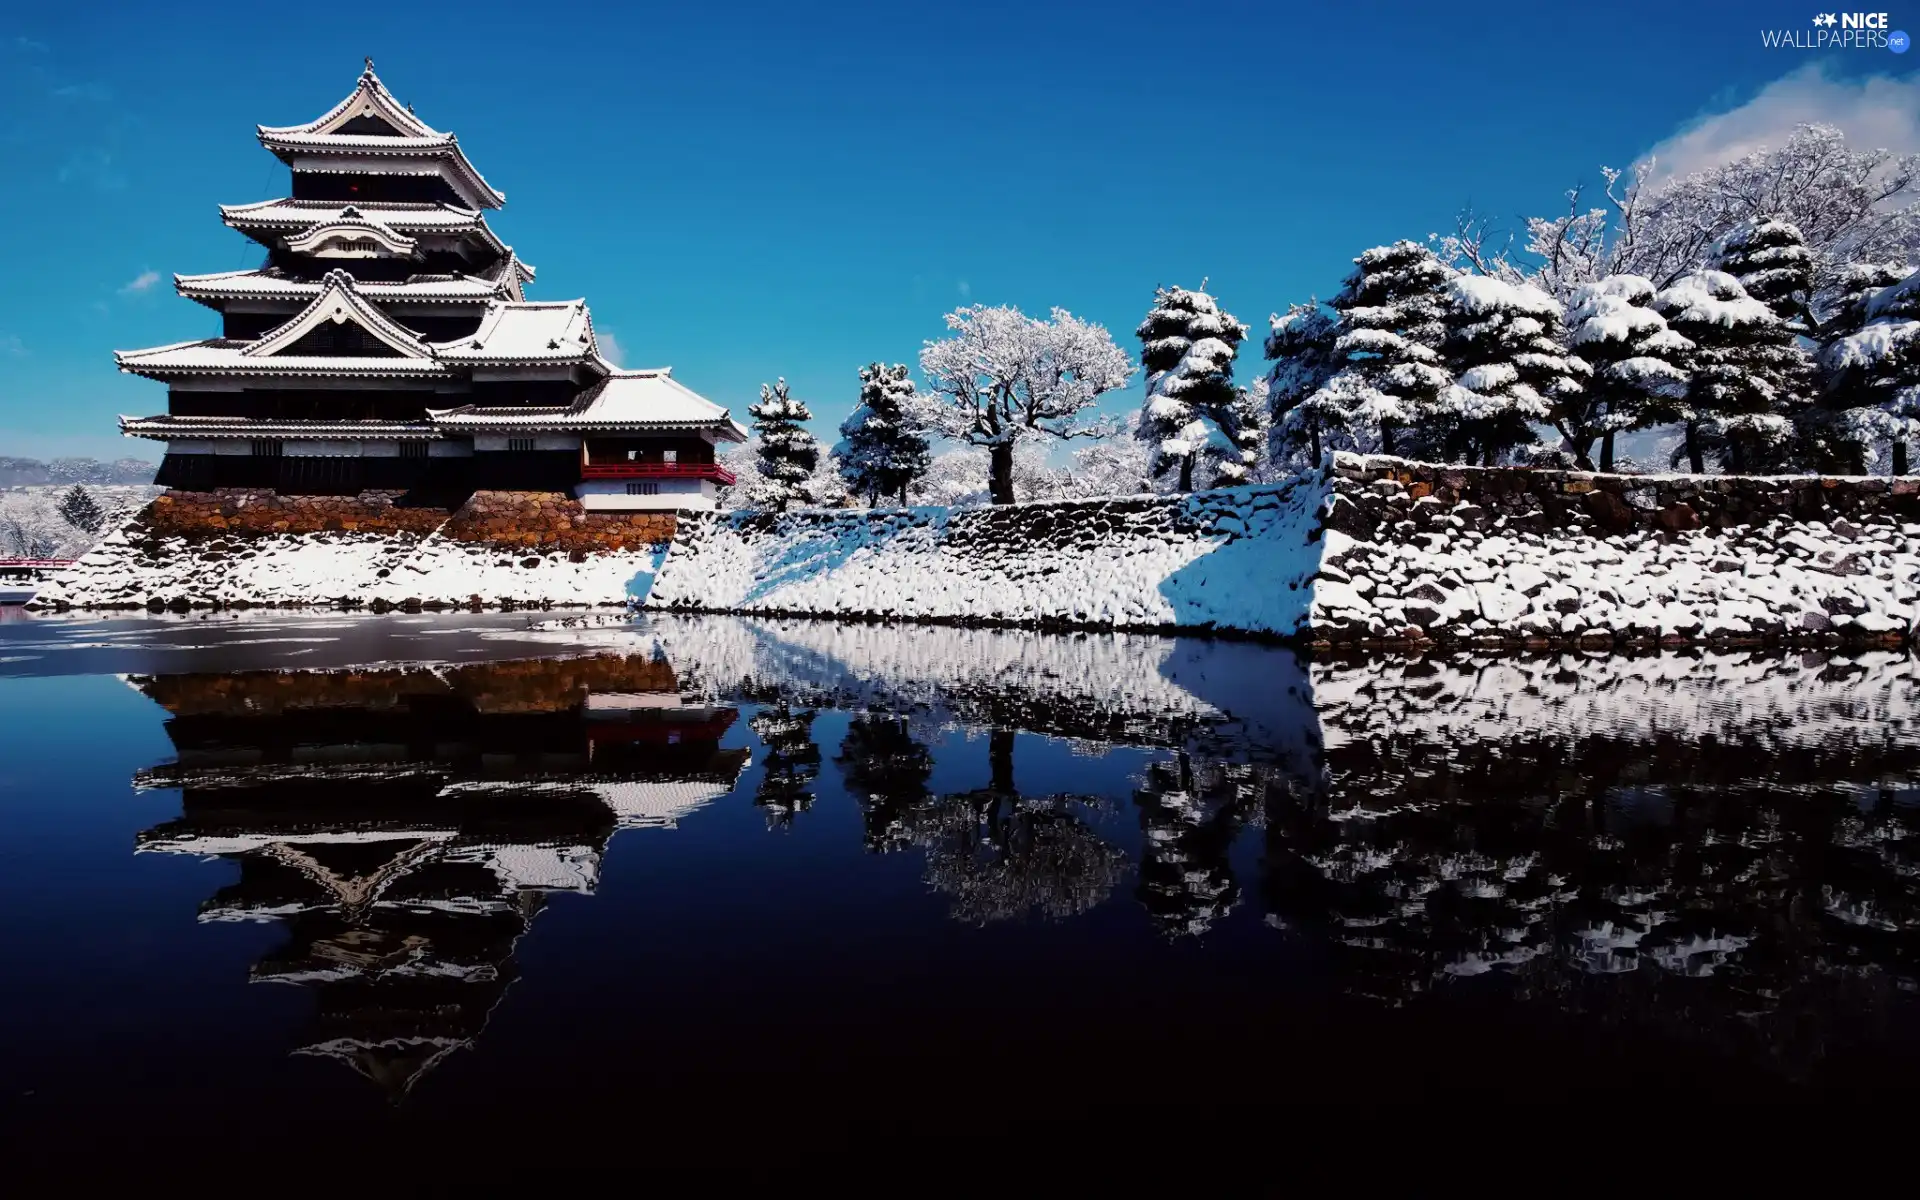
<point x="744" y="190"/>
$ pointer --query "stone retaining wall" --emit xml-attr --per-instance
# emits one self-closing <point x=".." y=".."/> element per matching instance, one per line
<point x="553" y="520"/>
<point x="1361" y="553"/>
<point x="1418" y="554"/>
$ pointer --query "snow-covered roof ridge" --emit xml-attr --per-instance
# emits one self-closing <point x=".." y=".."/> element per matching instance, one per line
<point x="369" y="98"/>
<point x="370" y="123"/>
<point x="263" y="283"/>
<point x="226" y="356"/>
<point x="526" y="331"/>
<point x="252" y="427"/>
<point x="285" y="215"/>
<point x="629" y="399"/>
<point x="340" y="301"/>
<point x="352" y="223"/>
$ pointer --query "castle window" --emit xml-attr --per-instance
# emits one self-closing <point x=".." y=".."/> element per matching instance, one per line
<point x="413" y="450"/>
<point x="643" y="488"/>
<point x="670" y="456"/>
<point x="267" y="448"/>
<point x="519" y="443"/>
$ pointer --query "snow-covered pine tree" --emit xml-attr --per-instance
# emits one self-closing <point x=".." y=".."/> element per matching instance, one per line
<point x="1391" y="325"/>
<point x="1503" y="348"/>
<point x="1751" y="380"/>
<point x="80" y="510"/>
<point x="1634" y="367"/>
<point x="882" y="450"/>
<point x="1187" y="347"/>
<point x="1771" y="260"/>
<point x="1244" y="426"/>
<point x="788" y="453"/>
<point x="1871" y="364"/>
<point x="1304" y="418"/>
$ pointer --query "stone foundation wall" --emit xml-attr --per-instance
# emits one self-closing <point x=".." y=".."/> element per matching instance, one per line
<point x="1362" y="553"/>
<point x="245" y="512"/>
<point x="553" y="520"/>
<point x="500" y="520"/>
<point x="1502" y="557"/>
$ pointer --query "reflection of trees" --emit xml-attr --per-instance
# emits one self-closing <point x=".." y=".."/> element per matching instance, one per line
<point x="1764" y="898"/>
<point x="1001" y="855"/>
<point x="792" y="762"/>
<point x="886" y="770"/>
<point x="1189" y="818"/>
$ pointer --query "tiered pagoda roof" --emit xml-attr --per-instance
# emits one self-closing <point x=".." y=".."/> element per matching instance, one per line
<point x="379" y="295"/>
<point x="371" y="123"/>
<point x="649" y="401"/>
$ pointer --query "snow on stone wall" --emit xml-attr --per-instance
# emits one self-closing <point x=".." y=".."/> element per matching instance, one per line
<point x="1416" y="553"/>
<point x="1235" y="559"/>
<point x="1364" y="552"/>
<point x="257" y="547"/>
<point x="403" y="570"/>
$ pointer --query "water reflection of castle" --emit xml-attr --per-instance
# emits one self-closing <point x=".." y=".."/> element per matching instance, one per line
<point x="407" y="824"/>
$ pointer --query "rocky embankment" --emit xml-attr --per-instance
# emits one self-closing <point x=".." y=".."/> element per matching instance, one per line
<point x="1416" y="554"/>
<point x="193" y="549"/>
<point x="1361" y="553"/>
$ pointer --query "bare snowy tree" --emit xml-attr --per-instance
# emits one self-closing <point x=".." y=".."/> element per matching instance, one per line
<point x="1847" y="204"/>
<point x="1004" y="377"/>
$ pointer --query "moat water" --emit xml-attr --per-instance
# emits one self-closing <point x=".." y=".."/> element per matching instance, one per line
<point x="270" y="869"/>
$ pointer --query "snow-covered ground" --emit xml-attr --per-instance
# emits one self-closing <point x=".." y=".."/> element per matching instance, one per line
<point x="326" y="568"/>
<point x="1346" y="553"/>
<point x="1235" y="559"/>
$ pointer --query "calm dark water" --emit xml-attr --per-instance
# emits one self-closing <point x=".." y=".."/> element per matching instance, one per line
<point x="373" y="873"/>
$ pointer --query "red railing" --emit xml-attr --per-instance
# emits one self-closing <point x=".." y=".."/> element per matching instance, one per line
<point x="657" y="470"/>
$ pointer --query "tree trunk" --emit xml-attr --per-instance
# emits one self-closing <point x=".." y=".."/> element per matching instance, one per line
<point x="1313" y="432"/>
<point x="1490" y="457"/>
<point x="1606" y="451"/>
<point x="903" y="495"/>
<point x="1736" y="460"/>
<point x="1386" y="437"/>
<point x="1696" y="461"/>
<point x="1186" y="472"/>
<point x="1000" y="760"/>
<point x="1000" y="476"/>
<point x="1900" y="456"/>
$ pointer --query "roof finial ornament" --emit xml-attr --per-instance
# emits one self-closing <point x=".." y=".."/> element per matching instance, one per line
<point x="369" y="69"/>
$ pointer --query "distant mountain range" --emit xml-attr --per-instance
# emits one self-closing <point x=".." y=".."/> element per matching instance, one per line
<point x="24" y="472"/>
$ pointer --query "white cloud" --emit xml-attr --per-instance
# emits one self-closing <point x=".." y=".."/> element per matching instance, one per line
<point x="610" y="348"/>
<point x="142" y="282"/>
<point x="966" y="290"/>
<point x="11" y="346"/>
<point x="1879" y="111"/>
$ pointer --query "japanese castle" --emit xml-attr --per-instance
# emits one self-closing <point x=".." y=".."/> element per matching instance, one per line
<point x="386" y="342"/>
